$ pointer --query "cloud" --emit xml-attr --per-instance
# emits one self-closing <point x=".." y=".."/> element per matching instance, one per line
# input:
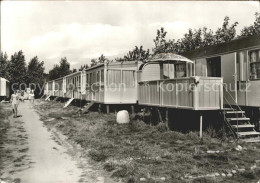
<point x="84" y="41"/>
<point x="82" y="30"/>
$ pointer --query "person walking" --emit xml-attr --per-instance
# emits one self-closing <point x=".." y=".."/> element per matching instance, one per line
<point x="15" y="102"/>
<point x="32" y="96"/>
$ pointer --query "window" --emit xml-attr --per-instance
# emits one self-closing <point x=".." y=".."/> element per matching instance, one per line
<point x="214" y="67"/>
<point x="98" y="77"/>
<point x="180" y="70"/>
<point x="254" y="59"/>
<point x="128" y="78"/>
<point x="114" y="78"/>
<point x="168" y="71"/>
<point x="90" y="79"/>
<point x="87" y="80"/>
<point x="102" y="77"/>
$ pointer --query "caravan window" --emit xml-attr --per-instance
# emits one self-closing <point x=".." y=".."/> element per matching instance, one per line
<point x="180" y="70"/>
<point x="102" y="77"/>
<point x="176" y="70"/>
<point x="254" y="59"/>
<point x="128" y="78"/>
<point x="114" y="78"/>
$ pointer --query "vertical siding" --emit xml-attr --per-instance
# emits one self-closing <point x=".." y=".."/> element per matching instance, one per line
<point x="183" y="93"/>
<point x="151" y="72"/>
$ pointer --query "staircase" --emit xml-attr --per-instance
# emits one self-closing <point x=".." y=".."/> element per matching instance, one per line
<point x="55" y="99"/>
<point x="68" y="102"/>
<point x="240" y="125"/>
<point x="88" y="106"/>
<point x="47" y="98"/>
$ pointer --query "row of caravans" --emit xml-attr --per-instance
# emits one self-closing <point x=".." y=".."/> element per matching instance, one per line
<point x="4" y="89"/>
<point x="224" y="77"/>
<point x="166" y="80"/>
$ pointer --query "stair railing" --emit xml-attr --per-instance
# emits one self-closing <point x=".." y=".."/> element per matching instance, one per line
<point x="236" y="116"/>
<point x="236" y="104"/>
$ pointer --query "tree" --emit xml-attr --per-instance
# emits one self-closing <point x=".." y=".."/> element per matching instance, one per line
<point x="195" y="39"/>
<point x="35" y="71"/>
<point x="226" y="33"/>
<point x="208" y="37"/>
<point x="102" y="59"/>
<point x="93" y="62"/>
<point x="136" y="54"/>
<point x="191" y="41"/>
<point x="17" y="69"/>
<point x="82" y="67"/>
<point x="4" y="63"/>
<point x="252" y="29"/>
<point x="61" y="70"/>
<point x="54" y="72"/>
<point x="35" y="75"/>
<point x="160" y="41"/>
<point x="64" y="68"/>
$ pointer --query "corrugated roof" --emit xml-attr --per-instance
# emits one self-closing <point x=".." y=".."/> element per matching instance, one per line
<point x="222" y="48"/>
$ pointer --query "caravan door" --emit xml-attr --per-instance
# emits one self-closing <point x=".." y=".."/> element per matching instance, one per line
<point x="229" y="74"/>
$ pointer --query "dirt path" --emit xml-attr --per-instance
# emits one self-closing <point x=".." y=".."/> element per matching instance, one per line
<point x="34" y="154"/>
<point x="38" y="156"/>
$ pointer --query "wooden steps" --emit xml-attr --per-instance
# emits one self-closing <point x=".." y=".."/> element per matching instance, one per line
<point x="55" y="99"/>
<point x="251" y="140"/>
<point x="240" y="125"/>
<point x="48" y="97"/>
<point x="238" y="119"/>
<point x="68" y="102"/>
<point x="235" y="112"/>
<point x="248" y="133"/>
<point x="88" y="106"/>
<point x="243" y="126"/>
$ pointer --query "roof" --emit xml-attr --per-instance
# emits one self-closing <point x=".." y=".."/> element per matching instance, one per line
<point x="72" y="74"/>
<point x="165" y="57"/>
<point x="93" y="67"/>
<point x="222" y="48"/>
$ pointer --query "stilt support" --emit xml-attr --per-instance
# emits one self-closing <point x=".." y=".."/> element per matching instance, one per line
<point x="167" y="117"/>
<point x="132" y="109"/>
<point x="159" y="114"/>
<point x="99" y="108"/>
<point x="201" y="118"/>
<point x="107" y="106"/>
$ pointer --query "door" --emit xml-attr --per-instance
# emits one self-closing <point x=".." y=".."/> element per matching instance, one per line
<point x="229" y="74"/>
<point x="201" y="67"/>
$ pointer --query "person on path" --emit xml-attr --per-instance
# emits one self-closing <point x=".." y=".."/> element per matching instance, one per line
<point x="32" y="96"/>
<point x="15" y="102"/>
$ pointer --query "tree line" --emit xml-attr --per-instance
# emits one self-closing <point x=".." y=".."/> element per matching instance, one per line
<point x="16" y="70"/>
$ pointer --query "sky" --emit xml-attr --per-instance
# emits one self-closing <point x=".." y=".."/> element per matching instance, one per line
<point x="82" y="30"/>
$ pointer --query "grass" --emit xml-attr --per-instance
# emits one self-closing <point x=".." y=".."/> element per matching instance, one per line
<point x="137" y="150"/>
<point x="5" y="112"/>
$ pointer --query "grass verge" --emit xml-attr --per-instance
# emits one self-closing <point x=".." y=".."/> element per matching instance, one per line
<point x="137" y="152"/>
